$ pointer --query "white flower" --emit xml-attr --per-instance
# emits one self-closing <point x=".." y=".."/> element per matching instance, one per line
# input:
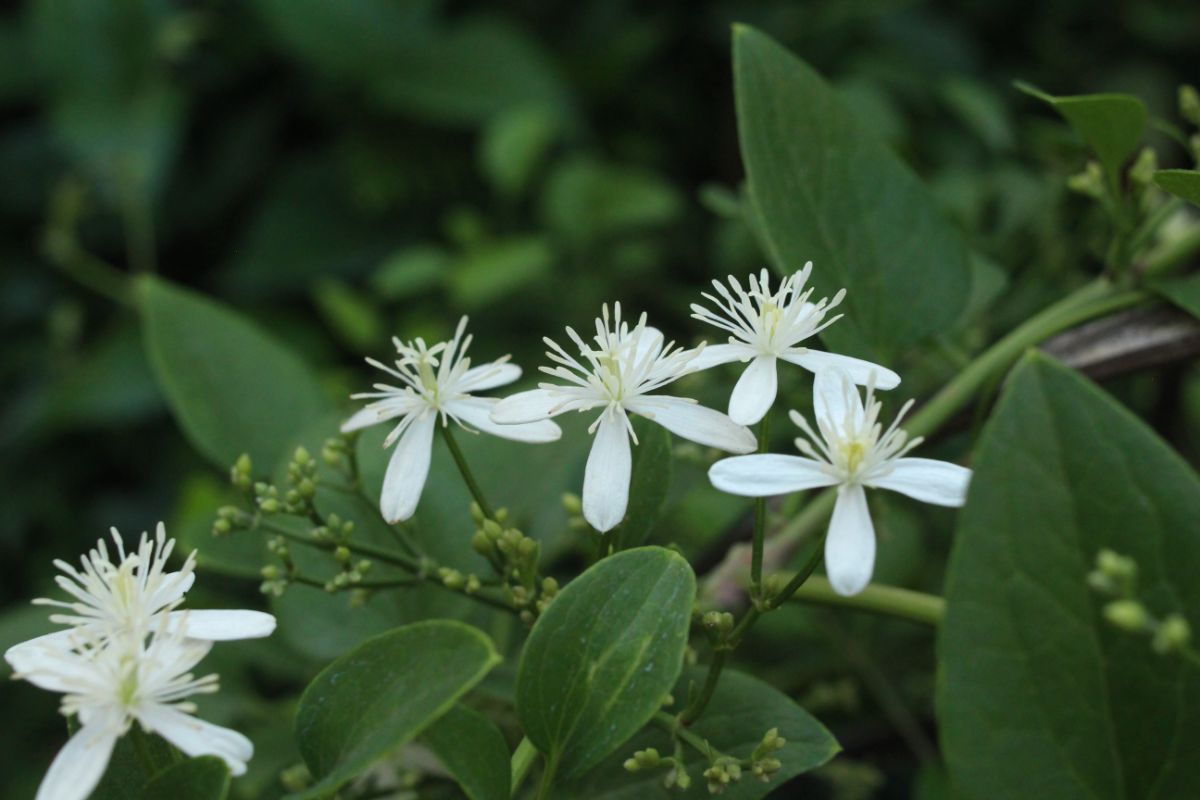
<point x="130" y="595"/>
<point x="852" y="451"/>
<point x="109" y="684"/>
<point x="434" y="381"/>
<point x="618" y="375"/>
<point x="766" y="326"/>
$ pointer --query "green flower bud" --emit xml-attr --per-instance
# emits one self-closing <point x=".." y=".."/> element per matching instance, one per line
<point x="307" y="488"/>
<point x="492" y="529"/>
<point x="1115" y="565"/>
<point x="1189" y="104"/>
<point x="1172" y="635"/>
<point x="269" y="505"/>
<point x="301" y="457"/>
<point x="364" y="566"/>
<point x="1090" y="182"/>
<point x="451" y="578"/>
<point x="572" y="503"/>
<point x="502" y="515"/>
<point x="1128" y="615"/>
<point x="221" y="527"/>
<point x="677" y="777"/>
<point x="527" y="547"/>
<point x="549" y="586"/>
<point x="477" y="513"/>
<point x="342" y="554"/>
<point x="1143" y="169"/>
<point x="270" y="572"/>
<point x="481" y="544"/>
<point x="643" y="759"/>
<point x="473" y="584"/>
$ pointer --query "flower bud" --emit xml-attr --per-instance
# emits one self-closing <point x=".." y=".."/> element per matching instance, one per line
<point x="269" y="505"/>
<point x="1128" y="615"/>
<point x="1172" y="635"/>
<point x="643" y="759"/>
<point x="342" y="554"/>
<point x="477" y="513"/>
<point x="1143" y="169"/>
<point x="1090" y="182"/>
<point x="1189" y="104"/>
<point x="573" y="504"/>
<point x="301" y="457"/>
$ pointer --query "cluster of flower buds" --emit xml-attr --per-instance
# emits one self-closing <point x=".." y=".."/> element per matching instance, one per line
<point x="676" y="777"/>
<point x="453" y="579"/>
<point x="1116" y="576"/>
<point x="763" y="764"/>
<point x="515" y="557"/>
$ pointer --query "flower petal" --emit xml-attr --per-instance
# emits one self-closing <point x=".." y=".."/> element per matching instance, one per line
<point x="476" y="413"/>
<point x="488" y="376"/>
<point x="79" y="766"/>
<point x="850" y="545"/>
<point x="47" y="662"/>
<point x="407" y="470"/>
<point x="860" y="371"/>
<point x="714" y="354"/>
<point x="755" y="391"/>
<point x="695" y="423"/>
<point x="174" y="585"/>
<point x="222" y="625"/>
<point x="927" y="480"/>
<point x="767" y="474"/>
<point x="363" y="418"/>
<point x="530" y="406"/>
<point x="195" y="737"/>
<point x="606" y="478"/>
<point x="836" y="399"/>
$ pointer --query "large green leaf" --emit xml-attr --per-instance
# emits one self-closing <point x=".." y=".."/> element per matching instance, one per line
<point x="203" y="778"/>
<point x="648" y="486"/>
<point x="825" y="189"/>
<point x="1038" y="696"/>
<point x="1183" y="183"/>
<point x="600" y="660"/>
<point x="472" y="748"/>
<point x="741" y="710"/>
<point x="231" y="387"/>
<point x="1111" y="124"/>
<point x="383" y="693"/>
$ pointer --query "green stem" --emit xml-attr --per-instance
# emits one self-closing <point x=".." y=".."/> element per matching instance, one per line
<point x="522" y="760"/>
<point x="800" y="578"/>
<point x="672" y="726"/>
<point x="386" y="556"/>
<point x="700" y="701"/>
<point x="544" y="787"/>
<point x="760" y="518"/>
<point x="465" y="470"/>
<point x="87" y="270"/>
<point x="926" y="609"/>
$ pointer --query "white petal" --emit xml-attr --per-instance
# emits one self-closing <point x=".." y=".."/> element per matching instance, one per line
<point x="836" y="398"/>
<point x="696" y="423"/>
<point x="476" y="413"/>
<point x="860" y="371"/>
<point x="174" y="586"/>
<point x="363" y="418"/>
<point x="407" y="470"/>
<point x="47" y="661"/>
<point x="755" y="392"/>
<point x="850" y="545"/>
<point x="766" y="474"/>
<point x="221" y="625"/>
<point x="195" y="737"/>
<point x="488" y="376"/>
<point x="651" y="339"/>
<point x="714" y="354"/>
<point x="927" y="480"/>
<point x="530" y="406"/>
<point x="79" y="766"/>
<point x="606" y="478"/>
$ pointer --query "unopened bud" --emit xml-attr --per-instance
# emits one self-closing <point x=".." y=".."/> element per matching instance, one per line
<point x="269" y="505"/>
<point x="302" y="457"/>
<point x="1128" y="615"/>
<point x="221" y="527"/>
<point x="1090" y="182"/>
<point x="452" y="578"/>
<point x="1189" y="104"/>
<point x="1172" y="635"/>
<point x="473" y="584"/>
<point x="477" y="513"/>
<point x="342" y="554"/>
<point x="1143" y="169"/>
<point x="643" y="759"/>
<point x="572" y="503"/>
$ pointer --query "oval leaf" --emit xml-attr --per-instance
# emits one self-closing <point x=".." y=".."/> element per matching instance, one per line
<point x="472" y="748"/>
<point x="203" y="778"/>
<point x="383" y="693"/>
<point x="648" y="486"/>
<point x="1039" y="697"/>
<point x="826" y="190"/>
<point x="742" y="709"/>
<point x="1111" y="124"/>
<point x="231" y="387"/>
<point x="600" y="660"/>
<point x="1183" y="183"/>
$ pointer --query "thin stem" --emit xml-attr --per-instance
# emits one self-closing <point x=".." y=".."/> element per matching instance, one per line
<point x="547" y="778"/>
<point x="386" y="556"/>
<point x="760" y="518"/>
<point x="672" y="726"/>
<point x="700" y="701"/>
<point x="87" y="270"/>
<point x="892" y="601"/>
<point x="465" y="470"/>
<point x="522" y="760"/>
<point x="800" y="578"/>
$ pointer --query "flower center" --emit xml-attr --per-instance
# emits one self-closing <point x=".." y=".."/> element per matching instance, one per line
<point x="853" y="453"/>
<point x="769" y="318"/>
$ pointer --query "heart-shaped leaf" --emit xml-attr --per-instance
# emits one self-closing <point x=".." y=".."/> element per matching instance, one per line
<point x="1039" y="697"/>
<point x="382" y="694"/>
<point x="604" y="654"/>
<point x="1111" y="124"/>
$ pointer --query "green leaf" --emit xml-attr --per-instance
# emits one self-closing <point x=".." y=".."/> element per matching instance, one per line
<point x="382" y="694"/>
<point x="473" y="749"/>
<point x="742" y="709"/>
<point x="493" y="270"/>
<point x="649" y="485"/>
<point x="411" y="272"/>
<point x="1183" y="292"/>
<point x="231" y="387"/>
<point x="515" y="142"/>
<point x="1038" y="696"/>
<point x="826" y="190"/>
<point x="1183" y="183"/>
<point x="586" y="199"/>
<point x="604" y="654"/>
<point x="1111" y="124"/>
<point x="203" y="778"/>
<point x="126" y="775"/>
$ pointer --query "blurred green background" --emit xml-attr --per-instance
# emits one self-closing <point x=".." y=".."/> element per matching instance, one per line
<point x="345" y="170"/>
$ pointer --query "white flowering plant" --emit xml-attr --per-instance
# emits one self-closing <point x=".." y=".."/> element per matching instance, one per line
<point x="672" y="555"/>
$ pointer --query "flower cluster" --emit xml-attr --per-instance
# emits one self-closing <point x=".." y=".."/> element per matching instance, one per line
<point x="127" y="655"/>
<point x="623" y="369"/>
